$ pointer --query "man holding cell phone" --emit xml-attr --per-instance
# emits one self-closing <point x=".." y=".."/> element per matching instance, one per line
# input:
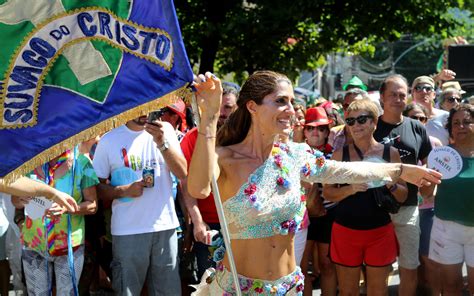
<point x="143" y="215"/>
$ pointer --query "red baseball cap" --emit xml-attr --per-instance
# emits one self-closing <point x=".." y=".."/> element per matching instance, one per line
<point x="179" y="108"/>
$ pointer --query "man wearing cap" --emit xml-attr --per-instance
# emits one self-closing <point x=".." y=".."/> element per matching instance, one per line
<point x="411" y="139"/>
<point x="423" y="93"/>
<point x="451" y="95"/>
<point x="203" y="212"/>
<point x="340" y="135"/>
<point x="175" y="114"/>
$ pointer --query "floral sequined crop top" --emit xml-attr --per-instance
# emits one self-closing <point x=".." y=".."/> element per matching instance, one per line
<point x="271" y="202"/>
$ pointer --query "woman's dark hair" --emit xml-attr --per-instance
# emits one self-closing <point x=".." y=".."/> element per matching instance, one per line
<point x="190" y="118"/>
<point x="463" y="107"/>
<point x="414" y="106"/>
<point x="258" y="85"/>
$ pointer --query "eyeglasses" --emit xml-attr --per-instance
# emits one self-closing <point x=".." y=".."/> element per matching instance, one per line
<point x="425" y="88"/>
<point x="452" y="99"/>
<point x="420" y="118"/>
<point x="321" y="128"/>
<point x="361" y="119"/>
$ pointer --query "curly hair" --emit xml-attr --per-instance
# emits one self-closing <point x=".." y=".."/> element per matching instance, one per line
<point x="463" y="107"/>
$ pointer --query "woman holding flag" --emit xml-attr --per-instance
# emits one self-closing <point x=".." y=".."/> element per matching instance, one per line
<point x="55" y="240"/>
<point x="259" y="181"/>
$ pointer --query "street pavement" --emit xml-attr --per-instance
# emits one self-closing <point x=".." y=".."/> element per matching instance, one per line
<point x="394" y="281"/>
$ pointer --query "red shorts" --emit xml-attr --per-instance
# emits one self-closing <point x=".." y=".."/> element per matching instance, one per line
<point x="376" y="247"/>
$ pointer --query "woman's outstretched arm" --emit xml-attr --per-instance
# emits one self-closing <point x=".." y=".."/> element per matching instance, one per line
<point x="25" y="187"/>
<point x="317" y="169"/>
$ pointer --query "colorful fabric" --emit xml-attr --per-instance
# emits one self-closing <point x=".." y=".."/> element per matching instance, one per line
<point x="51" y="169"/>
<point x="219" y="281"/>
<point x="49" y="223"/>
<point x="72" y="66"/>
<point x="271" y="203"/>
<point x="33" y="231"/>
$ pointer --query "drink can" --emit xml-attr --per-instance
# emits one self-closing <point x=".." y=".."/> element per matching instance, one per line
<point x="210" y="234"/>
<point x="149" y="177"/>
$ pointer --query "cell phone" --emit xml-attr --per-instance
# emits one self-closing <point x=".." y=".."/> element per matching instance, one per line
<point x="155" y="115"/>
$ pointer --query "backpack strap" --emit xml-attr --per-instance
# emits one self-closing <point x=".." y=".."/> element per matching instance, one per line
<point x="386" y="152"/>
<point x="345" y="153"/>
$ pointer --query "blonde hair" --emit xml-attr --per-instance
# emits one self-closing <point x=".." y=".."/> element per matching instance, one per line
<point x="364" y="105"/>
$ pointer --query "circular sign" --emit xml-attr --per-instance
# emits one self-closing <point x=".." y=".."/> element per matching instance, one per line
<point x="445" y="160"/>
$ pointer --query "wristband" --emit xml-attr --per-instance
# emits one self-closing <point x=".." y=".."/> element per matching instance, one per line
<point x="206" y="136"/>
<point x="393" y="187"/>
<point x="19" y="217"/>
<point x="400" y="171"/>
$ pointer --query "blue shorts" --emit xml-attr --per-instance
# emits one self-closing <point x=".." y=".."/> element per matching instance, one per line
<point x="426" y="223"/>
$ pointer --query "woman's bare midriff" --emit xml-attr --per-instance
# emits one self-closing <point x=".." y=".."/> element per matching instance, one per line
<point x="267" y="258"/>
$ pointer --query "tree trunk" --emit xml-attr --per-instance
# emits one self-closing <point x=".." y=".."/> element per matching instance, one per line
<point x="209" y="47"/>
<point x="215" y="13"/>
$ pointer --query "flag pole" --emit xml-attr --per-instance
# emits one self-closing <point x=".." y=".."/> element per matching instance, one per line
<point x="220" y="210"/>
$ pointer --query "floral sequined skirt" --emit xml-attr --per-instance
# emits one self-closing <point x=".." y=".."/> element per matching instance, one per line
<point x="219" y="282"/>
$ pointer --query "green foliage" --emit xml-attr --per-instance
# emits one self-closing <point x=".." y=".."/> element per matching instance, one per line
<point x="290" y="36"/>
<point x="463" y="20"/>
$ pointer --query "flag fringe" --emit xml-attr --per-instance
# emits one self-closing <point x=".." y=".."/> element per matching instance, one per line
<point x="100" y="128"/>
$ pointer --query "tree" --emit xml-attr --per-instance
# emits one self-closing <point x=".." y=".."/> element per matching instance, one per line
<point x="290" y="36"/>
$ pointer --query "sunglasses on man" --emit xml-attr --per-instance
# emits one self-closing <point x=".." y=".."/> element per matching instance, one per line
<point x="425" y="88"/>
<point x="452" y="99"/>
<point x="361" y="119"/>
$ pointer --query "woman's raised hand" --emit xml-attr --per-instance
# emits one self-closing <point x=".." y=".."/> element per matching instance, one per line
<point x="208" y="93"/>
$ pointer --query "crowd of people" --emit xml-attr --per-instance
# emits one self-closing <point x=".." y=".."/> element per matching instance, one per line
<point x="335" y="191"/>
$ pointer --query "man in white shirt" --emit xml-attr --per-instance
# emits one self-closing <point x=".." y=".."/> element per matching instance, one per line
<point x="423" y="93"/>
<point x="143" y="218"/>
